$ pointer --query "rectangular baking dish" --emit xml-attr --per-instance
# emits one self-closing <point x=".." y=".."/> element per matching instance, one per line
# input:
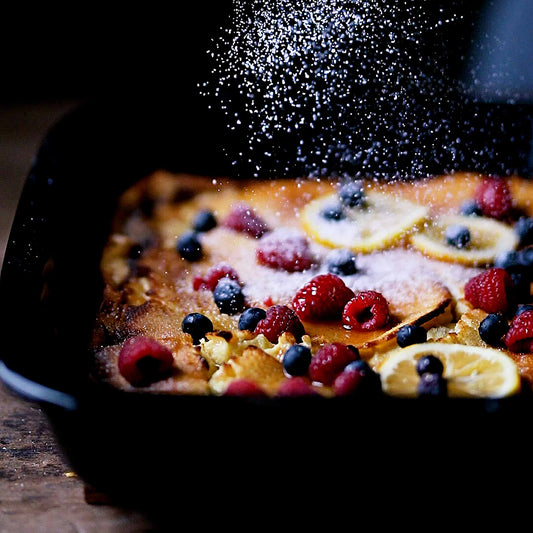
<point x="131" y="444"/>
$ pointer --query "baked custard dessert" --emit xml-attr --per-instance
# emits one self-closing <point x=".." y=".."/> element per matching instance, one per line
<point x="319" y="287"/>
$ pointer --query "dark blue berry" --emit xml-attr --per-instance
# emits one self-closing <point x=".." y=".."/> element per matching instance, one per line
<point x="492" y="328"/>
<point x="470" y="208"/>
<point x="352" y="194"/>
<point x="429" y="364"/>
<point x="508" y="260"/>
<point x="457" y="236"/>
<point x="411" y="334"/>
<point x="522" y="308"/>
<point x="251" y="317"/>
<point x="189" y="247"/>
<point x="296" y="360"/>
<point x="204" y="221"/>
<point x="525" y="257"/>
<point x="371" y="381"/>
<point x="196" y="325"/>
<point x="342" y="262"/>
<point x="521" y="285"/>
<point x="333" y="212"/>
<point x="524" y="230"/>
<point x="228" y="296"/>
<point x="432" y="386"/>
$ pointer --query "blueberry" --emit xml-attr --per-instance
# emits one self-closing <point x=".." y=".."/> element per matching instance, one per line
<point x="228" y="296"/>
<point x="351" y="194"/>
<point x="342" y="262"/>
<point x="196" y="325"/>
<point x="189" y="247"/>
<point x="432" y="386"/>
<point x="457" y="236"/>
<point x="371" y="381"/>
<point x="429" y="364"/>
<point x="296" y="360"/>
<point x="508" y="260"/>
<point x="523" y="308"/>
<point x="470" y="208"/>
<point x="525" y="258"/>
<point x="333" y="212"/>
<point x="524" y="230"/>
<point x="411" y="334"/>
<point x="204" y="221"/>
<point x="521" y="285"/>
<point x="492" y="328"/>
<point x="251" y="317"/>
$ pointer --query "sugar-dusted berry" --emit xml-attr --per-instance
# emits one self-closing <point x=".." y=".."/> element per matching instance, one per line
<point x="330" y="360"/>
<point x="228" y="296"/>
<point x="143" y="360"/>
<point x="285" y="251"/>
<point x="280" y="319"/>
<point x="322" y="298"/>
<point x="244" y="219"/>
<point x="494" y="198"/>
<point x="367" y="311"/>
<point x="492" y="290"/>
<point x="213" y="276"/>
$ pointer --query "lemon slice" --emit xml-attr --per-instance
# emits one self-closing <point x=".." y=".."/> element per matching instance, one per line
<point x="382" y="222"/>
<point x="488" y="238"/>
<point x="471" y="371"/>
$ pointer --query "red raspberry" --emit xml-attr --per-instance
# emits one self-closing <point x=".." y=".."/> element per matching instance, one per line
<point x="491" y="290"/>
<point x="244" y="219"/>
<point x="280" y="319"/>
<point x="330" y="361"/>
<point x="322" y="298"/>
<point x="214" y="274"/>
<point x="285" y="252"/>
<point x="297" y="386"/>
<point x="143" y="360"/>
<point x="244" y="387"/>
<point x="520" y="335"/>
<point x="493" y="196"/>
<point x="367" y="311"/>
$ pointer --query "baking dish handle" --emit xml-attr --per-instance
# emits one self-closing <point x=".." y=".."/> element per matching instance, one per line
<point x="35" y="392"/>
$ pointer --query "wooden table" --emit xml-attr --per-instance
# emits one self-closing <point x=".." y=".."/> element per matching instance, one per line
<point x="38" y="490"/>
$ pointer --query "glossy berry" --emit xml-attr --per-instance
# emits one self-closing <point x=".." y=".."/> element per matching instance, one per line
<point x="494" y="198"/>
<point x="250" y="318"/>
<point x="352" y="194"/>
<point x="342" y="262"/>
<point x="470" y="208"/>
<point x="429" y="364"/>
<point x="411" y="334"/>
<point x="493" y="328"/>
<point x="243" y="219"/>
<point x="295" y="387"/>
<point x="290" y="253"/>
<point x="367" y="311"/>
<point x="243" y="387"/>
<point x="280" y="319"/>
<point x="296" y="360"/>
<point x="322" y="298"/>
<point x="213" y="276"/>
<point x="524" y="230"/>
<point x="492" y="290"/>
<point x="228" y="296"/>
<point x="330" y="360"/>
<point x="333" y="212"/>
<point x="204" y="221"/>
<point x="196" y="325"/>
<point x="357" y="378"/>
<point x="519" y="338"/>
<point x="432" y="386"/>
<point x="189" y="246"/>
<point x="457" y="236"/>
<point x="143" y="360"/>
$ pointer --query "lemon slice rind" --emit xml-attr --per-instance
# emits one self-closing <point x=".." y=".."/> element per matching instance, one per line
<point x="471" y="371"/>
<point x="489" y="238"/>
<point x="383" y="222"/>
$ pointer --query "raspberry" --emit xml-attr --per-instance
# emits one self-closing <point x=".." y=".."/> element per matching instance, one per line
<point x="244" y="387"/>
<point x="520" y="336"/>
<point x="243" y="218"/>
<point x="322" y="298"/>
<point x="285" y="252"/>
<point x="330" y="361"/>
<point x="367" y="311"/>
<point x="213" y="275"/>
<point x="143" y="360"/>
<point x="491" y="290"/>
<point x="280" y="319"/>
<point x="297" y="386"/>
<point x="494" y="198"/>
